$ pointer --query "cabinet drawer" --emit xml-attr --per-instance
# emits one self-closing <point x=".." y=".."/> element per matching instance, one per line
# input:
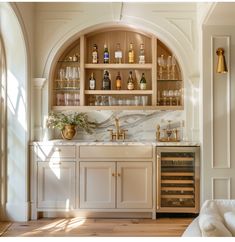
<point x="120" y="152"/>
<point x="56" y="151"/>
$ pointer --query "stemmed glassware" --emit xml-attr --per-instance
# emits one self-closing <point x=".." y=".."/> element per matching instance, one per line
<point x="162" y="64"/>
<point x="168" y="65"/>
<point x="173" y="63"/>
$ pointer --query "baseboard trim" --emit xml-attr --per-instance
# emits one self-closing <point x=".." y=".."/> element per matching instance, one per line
<point x="17" y="212"/>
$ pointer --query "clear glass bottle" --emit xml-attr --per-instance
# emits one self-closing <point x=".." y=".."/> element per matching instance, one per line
<point x="106" y="54"/>
<point x="130" y="82"/>
<point x="118" y="81"/>
<point x="106" y="84"/>
<point x="131" y="54"/>
<point x="95" y="54"/>
<point x="142" y="54"/>
<point x="92" y="82"/>
<point x="143" y="83"/>
<point x="118" y="54"/>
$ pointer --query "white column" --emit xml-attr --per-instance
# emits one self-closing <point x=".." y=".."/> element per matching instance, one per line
<point x="37" y="108"/>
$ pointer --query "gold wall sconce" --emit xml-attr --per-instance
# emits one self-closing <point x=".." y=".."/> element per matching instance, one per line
<point x="221" y="65"/>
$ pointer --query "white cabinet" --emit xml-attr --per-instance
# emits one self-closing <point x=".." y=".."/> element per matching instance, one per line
<point x="97" y="185"/>
<point x="134" y="184"/>
<point x="56" y="185"/>
<point x="115" y="184"/>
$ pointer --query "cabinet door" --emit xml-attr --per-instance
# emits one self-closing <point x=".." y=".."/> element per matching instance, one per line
<point x="56" y="185"/>
<point x="134" y="185"/>
<point x="97" y="184"/>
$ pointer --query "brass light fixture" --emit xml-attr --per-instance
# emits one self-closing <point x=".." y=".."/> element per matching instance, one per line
<point x="221" y="65"/>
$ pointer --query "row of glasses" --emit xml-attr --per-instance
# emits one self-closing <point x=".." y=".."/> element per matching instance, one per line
<point x="169" y="64"/>
<point x="68" y="78"/>
<point x="101" y="100"/>
<point x="169" y="97"/>
<point x="67" y="99"/>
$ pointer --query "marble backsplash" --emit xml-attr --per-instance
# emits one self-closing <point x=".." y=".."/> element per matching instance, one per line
<point x="141" y="125"/>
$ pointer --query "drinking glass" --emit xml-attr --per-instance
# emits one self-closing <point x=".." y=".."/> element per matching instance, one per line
<point x="173" y="62"/>
<point x="162" y="64"/>
<point x="165" y="95"/>
<point x="61" y="78"/>
<point x="59" y="99"/>
<point x="68" y="76"/>
<point x="169" y="64"/>
<point x="69" y="99"/>
<point x="144" y="100"/>
<point x="137" y="100"/>
<point x="75" y="77"/>
<point x="76" y="99"/>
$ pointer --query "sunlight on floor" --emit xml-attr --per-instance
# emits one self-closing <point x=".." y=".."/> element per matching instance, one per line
<point x="63" y="225"/>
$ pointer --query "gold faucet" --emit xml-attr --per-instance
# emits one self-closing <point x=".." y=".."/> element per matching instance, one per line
<point x="119" y="134"/>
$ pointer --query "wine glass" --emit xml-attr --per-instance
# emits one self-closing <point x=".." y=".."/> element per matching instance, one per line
<point x="162" y="64"/>
<point x="164" y="95"/>
<point x="168" y="65"/>
<point x="173" y="63"/>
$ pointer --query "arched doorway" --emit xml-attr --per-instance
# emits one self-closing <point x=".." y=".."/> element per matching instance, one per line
<point x="15" y="129"/>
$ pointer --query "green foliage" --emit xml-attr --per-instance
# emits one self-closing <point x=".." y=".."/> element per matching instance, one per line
<point x="60" y="119"/>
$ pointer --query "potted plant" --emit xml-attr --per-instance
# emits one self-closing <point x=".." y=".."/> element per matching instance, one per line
<point x="68" y="122"/>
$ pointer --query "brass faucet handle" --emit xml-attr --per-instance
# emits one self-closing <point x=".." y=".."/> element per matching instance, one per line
<point x="112" y="134"/>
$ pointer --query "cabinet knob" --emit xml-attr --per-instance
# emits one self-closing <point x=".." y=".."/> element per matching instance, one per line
<point x="113" y="174"/>
<point x="119" y="174"/>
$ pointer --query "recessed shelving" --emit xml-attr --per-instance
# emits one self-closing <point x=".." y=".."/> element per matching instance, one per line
<point x="158" y="91"/>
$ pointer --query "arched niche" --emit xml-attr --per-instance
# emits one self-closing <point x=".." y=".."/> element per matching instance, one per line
<point x="154" y="48"/>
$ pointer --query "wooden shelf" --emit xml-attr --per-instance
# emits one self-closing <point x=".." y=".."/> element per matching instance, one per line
<point x="177" y="173"/>
<point x="188" y="189"/>
<point x="81" y="108"/>
<point x="118" y="92"/>
<point x="90" y="108"/>
<point x="177" y="159"/>
<point x="119" y="66"/>
<point x="178" y="196"/>
<point x="169" y="80"/>
<point x="177" y="181"/>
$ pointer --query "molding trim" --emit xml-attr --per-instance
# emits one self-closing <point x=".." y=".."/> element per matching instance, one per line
<point x="213" y="179"/>
<point x="39" y="82"/>
<point x="227" y="78"/>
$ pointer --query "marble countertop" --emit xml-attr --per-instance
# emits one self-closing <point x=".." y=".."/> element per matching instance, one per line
<point x="107" y="142"/>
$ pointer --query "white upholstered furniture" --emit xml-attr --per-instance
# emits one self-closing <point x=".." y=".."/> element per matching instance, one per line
<point x="217" y="218"/>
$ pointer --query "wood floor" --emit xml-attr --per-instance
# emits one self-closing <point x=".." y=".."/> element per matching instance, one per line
<point x="99" y="227"/>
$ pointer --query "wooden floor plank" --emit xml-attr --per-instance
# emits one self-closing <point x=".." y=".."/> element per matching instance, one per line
<point x="71" y="227"/>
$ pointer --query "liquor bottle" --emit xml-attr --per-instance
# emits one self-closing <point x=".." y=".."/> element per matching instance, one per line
<point x="141" y="55"/>
<point x="118" y="54"/>
<point x="143" y="84"/>
<point x="118" y="81"/>
<point x="131" y="54"/>
<point x="130" y="82"/>
<point x="92" y="82"/>
<point x="95" y="54"/>
<point x="106" y="81"/>
<point x="106" y="54"/>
